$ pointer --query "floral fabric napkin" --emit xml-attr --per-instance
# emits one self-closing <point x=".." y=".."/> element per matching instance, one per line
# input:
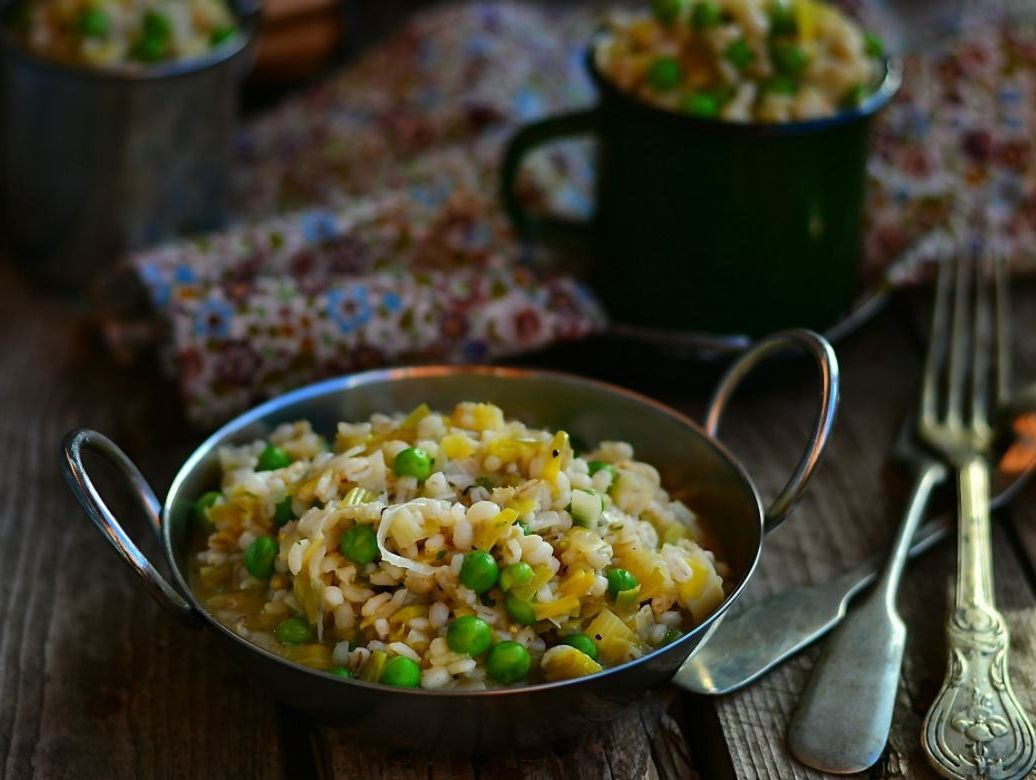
<point x="406" y="258"/>
<point x="368" y="227"/>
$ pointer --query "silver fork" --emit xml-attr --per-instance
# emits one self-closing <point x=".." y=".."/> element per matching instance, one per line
<point x="976" y="727"/>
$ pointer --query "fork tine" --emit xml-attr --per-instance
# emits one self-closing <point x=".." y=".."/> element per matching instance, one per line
<point x="980" y="343"/>
<point x="937" y="345"/>
<point x="1002" y="304"/>
<point x="958" y="343"/>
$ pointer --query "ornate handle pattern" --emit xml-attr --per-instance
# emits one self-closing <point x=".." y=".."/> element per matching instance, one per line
<point x="976" y="728"/>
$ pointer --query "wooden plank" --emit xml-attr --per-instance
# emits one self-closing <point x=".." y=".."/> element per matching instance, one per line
<point x="849" y="514"/>
<point x="647" y="742"/>
<point x="94" y="679"/>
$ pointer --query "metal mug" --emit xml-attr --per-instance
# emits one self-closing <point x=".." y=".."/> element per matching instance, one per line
<point x="95" y="162"/>
<point x="717" y="487"/>
<point x="708" y="225"/>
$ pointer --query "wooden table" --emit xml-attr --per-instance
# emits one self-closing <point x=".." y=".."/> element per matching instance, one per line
<point x="96" y="681"/>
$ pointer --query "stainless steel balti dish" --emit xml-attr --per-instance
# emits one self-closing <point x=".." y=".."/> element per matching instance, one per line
<point x="712" y="481"/>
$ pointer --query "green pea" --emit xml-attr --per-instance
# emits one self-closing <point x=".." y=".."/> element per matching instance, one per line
<point x="582" y="643"/>
<point x="526" y="530"/>
<point x="515" y="574"/>
<point x="780" y="85"/>
<point x="705" y="15"/>
<point x="782" y="19"/>
<point x="508" y="662"/>
<point x="479" y="571"/>
<point x="789" y="58"/>
<point x="360" y="544"/>
<point x="469" y="634"/>
<point x="282" y="512"/>
<point x="597" y="465"/>
<point x="272" y="458"/>
<point x="620" y="580"/>
<point x="671" y="635"/>
<point x="666" y="11"/>
<point x="94" y="23"/>
<point x="873" y="45"/>
<point x="702" y="104"/>
<point x="221" y="34"/>
<point x="155" y="37"/>
<point x="664" y="74"/>
<point x="402" y="672"/>
<point x="520" y="610"/>
<point x="202" y="506"/>
<point x="413" y="462"/>
<point x="739" y="54"/>
<point x="292" y="631"/>
<point x="340" y="671"/>
<point x="853" y="97"/>
<point x="259" y="557"/>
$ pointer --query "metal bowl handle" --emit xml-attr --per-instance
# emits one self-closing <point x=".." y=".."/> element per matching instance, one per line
<point x="821" y="351"/>
<point x="86" y="494"/>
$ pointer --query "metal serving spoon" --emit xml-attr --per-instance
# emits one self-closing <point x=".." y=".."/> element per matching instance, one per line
<point x="746" y="645"/>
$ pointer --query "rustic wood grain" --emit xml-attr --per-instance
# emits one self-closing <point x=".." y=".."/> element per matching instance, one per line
<point x="95" y="681"/>
<point x="644" y="743"/>
<point x="849" y="514"/>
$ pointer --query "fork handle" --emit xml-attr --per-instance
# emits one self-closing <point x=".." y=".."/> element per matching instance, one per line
<point x="976" y="728"/>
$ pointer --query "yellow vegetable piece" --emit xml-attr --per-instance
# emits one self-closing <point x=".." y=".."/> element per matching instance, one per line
<point x="305" y="491"/>
<point x="399" y="619"/>
<point x="567" y="605"/>
<point x="483" y="417"/>
<point x="373" y="666"/>
<point x="703" y="591"/>
<point x="358" y="495"/>
<point x="627" y="600"/>
<point x="305" y="594"/>
<point x="805" y="18"/>
<point x="406" y="614"/>
<point x="564" y="663"/>
<point x="512" y="450"/>
<point x="541" y="576"/>
<point x="412" y="419"/>
<point x="456" y="446"/>
<point x="646" y="565"/>
<point x="615" y="641"/>
<point x="578" y="583"/>
<point x="560" y="450"/>
<point x="489" y="532"/>
<point x="523" y="505"/>
<point x="315" y="655"/>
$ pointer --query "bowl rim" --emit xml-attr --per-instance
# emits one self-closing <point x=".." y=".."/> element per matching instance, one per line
<point x="886" y="89"/>
<point x="343" y="384"/>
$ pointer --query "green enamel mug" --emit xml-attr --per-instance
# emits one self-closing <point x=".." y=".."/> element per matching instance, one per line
<point x="706" y="225"/>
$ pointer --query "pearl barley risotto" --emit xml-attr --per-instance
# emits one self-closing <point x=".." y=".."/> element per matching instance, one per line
<point x="459" y="550"/>
<point x="114" y="33"/>
<point x="742" y="60"/>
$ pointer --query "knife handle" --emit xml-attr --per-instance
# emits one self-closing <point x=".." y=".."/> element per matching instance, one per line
<point x="843" y="718"/>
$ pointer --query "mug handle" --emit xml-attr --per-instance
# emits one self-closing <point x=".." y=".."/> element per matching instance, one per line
<point x="541" y="226"/>
<point x="90" y="500"/>
<point x="827" y="363"/>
